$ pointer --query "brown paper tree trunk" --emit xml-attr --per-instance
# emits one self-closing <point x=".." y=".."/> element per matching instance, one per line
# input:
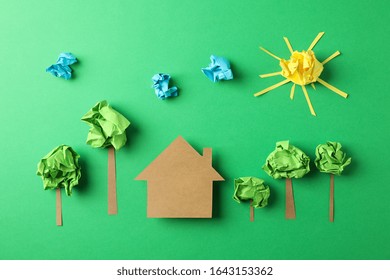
<point x="290" y="207"/>
<point x="331" y="199"/>
<point x="58" y="207"/>
<point x="112" y="201"/>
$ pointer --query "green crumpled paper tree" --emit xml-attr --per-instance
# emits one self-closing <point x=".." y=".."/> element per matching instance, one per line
<point x="107" y="129"/>
<point x="107" y="126"/>
<point x="287" y="161"/>
<point x="331" y="159"/>
<point x="60" y="169"/>
<point x="253" y="189"/>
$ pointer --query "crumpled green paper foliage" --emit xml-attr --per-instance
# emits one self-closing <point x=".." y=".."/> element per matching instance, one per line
<point x="286" y="161"/>
<point x="107" y="126"/>
<point x="251" y="188"/>
<point x="330" y="158"/>
<point x="60" y="169"/>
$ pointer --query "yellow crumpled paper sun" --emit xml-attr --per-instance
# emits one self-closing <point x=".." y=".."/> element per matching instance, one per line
<point x="301" y="69"/>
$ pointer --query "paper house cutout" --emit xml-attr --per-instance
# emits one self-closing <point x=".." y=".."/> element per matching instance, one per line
<point x="180" y="182"/>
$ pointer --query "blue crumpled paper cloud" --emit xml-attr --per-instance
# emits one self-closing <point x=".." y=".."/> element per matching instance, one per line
<point x="61" y="68"/>
<point x="219" y="69"/>
<point x="160" y="85"/>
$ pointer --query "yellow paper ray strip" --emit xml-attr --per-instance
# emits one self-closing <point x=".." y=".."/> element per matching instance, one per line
<point x="332" y="88"/>
<point x="268" y="52"/>
<point x="315" y="41"/>
<point x="269" y="75"/>
<point x="292" y="92"/>
<point x="313" y="86"/>
<point x="288" y="44"/>
<point x="308" y="101"/>
<point x="330" y="57"/>
<point x="272" y="87"/>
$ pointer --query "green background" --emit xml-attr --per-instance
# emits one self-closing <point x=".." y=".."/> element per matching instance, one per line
<point x="120" y="46"/>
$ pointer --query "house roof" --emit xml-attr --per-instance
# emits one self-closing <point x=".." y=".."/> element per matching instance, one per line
<point x="181" y="159"/>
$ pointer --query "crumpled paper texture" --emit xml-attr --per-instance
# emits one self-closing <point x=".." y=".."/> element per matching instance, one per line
<point x="251" y="188"/>
<point x="219" y="69"/>
<point x="330" y="158"/>
<point x="61" y="68"/>
<point x="303" y="67"/>
<point x="160" y="85"/>
<point x="286" y="161"/>
<point x="107" y="126"/>
<point x="60" y="169"/>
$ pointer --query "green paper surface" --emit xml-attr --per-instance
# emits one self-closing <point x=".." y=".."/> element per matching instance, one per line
<point x="119" y="49"/>
<point x="107" y="126"/>
<point x="251" y="188"/>
<point x="330" y="158"/>
<point x="60" y="169"/>
<point x="286" y="161"/>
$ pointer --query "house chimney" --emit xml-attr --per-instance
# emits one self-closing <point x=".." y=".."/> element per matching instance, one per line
<point x="208" y="154"/>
